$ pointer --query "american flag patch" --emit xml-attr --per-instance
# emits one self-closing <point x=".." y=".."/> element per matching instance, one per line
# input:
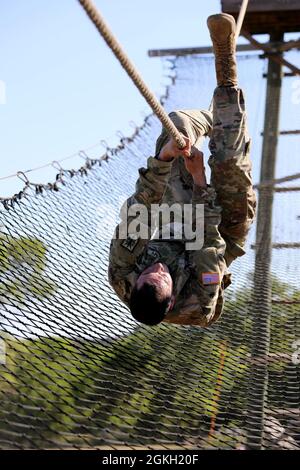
<point x="210" y="278"/>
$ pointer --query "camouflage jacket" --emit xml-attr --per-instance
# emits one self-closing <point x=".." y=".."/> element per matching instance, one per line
<point x="199" y="276"/>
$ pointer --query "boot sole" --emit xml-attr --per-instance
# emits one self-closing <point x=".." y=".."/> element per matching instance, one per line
<point x="220" y="17"/>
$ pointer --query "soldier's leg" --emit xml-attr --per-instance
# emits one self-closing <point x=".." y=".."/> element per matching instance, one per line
<point x="230" y="144"/>
<point x="231" y="168"/>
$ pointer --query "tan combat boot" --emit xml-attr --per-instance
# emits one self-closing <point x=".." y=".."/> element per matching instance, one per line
<point x="222" y="29"/>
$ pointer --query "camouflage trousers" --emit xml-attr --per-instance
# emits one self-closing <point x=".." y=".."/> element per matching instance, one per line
<point x="229" y="162"/>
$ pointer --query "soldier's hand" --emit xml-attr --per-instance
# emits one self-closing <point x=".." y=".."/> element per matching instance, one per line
<point x="170" y="150"/>
<point x="195" y="166"/>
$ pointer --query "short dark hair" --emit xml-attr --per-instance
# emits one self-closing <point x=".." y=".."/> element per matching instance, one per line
<point x="147" y="306"/>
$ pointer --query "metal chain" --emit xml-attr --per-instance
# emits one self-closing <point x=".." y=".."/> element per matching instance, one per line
<point x="114" y="45"/>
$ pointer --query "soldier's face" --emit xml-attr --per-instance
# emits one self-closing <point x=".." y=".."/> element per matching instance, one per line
<point x="158" y="274"/>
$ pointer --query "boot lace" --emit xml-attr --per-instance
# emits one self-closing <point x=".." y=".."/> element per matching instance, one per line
<point x="225" y="59"/>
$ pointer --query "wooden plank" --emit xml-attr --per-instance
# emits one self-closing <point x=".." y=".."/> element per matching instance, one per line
<point x="286" y="74"/>
<point x="261" y="5"/>
<point x="280" y="246"/>
<point x="284" y="46"/>
<point x="263" y="17"/>
<point x="270" y="183"/>
<point x="194" y="50"/>
<point x="272" y="22"/>
<point x="296" y="132"/>
<point x="293" y="44"/>
<point x="287" y="189"/>
<point x="274" y="57"/>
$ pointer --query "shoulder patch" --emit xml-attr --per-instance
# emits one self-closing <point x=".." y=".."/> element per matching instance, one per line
<point x="130" y="242"/>
<point x="210" y="278"/>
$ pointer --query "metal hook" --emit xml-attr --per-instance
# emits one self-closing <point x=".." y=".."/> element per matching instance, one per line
<point x="120" y="134"/>
<point x="83" y="155"/>
<point x="23" y="177"/>
<point x="104" y="144"/>
<point x="57" y="165"/>
<point x="133" y="124"/>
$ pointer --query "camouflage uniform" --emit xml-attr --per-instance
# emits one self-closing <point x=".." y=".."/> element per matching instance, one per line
<point x="199" y="276"/>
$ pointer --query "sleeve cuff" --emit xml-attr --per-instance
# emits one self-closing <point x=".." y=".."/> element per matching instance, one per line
<point x="157" y="165"/>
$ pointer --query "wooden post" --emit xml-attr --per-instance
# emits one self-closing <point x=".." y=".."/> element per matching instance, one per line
<point x="262" y="301"/>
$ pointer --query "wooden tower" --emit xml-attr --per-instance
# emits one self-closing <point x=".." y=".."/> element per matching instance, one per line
<point x="267" y="16"/>
<point x="275" y="18"/>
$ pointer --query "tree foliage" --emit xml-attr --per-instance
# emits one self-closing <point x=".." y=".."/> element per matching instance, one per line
<point x="22" y="269"/>
<point x="165" y="383"/>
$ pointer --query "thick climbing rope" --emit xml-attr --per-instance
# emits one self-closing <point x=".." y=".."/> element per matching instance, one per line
<point x="117" y="49"/>
<point x="120" y="54"/>
<point x="241" y="18"/>
<point x="112" y="42"/>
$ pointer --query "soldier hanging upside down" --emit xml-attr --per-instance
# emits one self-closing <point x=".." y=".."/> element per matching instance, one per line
<point x="159" y="279"/>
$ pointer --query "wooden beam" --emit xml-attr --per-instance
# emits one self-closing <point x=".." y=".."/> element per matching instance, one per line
<point x="287" y="189"/>
<point x="270" y="183"/>
<point x="286" y="74"/>
<point x="194" y="50"/>
<point x="284" y="46"/>
<point x="279" y="246"/>
<point x="287" y="46"/>
<point x="267" y="16"/>
<point x="270" y="51"/>
<point x="261" y="5"/>
<point x="295" y="132"/>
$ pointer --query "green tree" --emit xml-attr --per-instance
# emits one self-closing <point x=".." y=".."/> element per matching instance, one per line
<point x="23" y="278"/>
<point x="160" y="384"/>
<point x="22" y="269"/>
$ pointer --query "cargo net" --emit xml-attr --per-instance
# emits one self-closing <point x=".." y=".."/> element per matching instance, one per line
<point x="78" y="372"/>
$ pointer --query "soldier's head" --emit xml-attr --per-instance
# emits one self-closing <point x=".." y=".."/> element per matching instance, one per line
<point x="151" y="298"/>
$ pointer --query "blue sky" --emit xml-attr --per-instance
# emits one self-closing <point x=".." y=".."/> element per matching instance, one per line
<point x="65" y="90"/>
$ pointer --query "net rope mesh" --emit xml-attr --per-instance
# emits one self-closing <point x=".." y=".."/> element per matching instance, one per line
<point x="78" y="372"/>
